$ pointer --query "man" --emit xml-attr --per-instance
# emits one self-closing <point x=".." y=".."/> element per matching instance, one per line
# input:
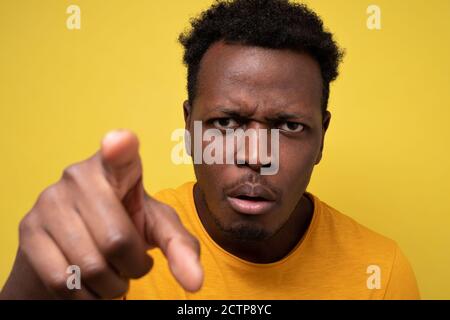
<point x="252" y="65"/>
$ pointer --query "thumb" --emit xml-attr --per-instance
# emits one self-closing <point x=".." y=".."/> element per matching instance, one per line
<point x="121" y="161"/>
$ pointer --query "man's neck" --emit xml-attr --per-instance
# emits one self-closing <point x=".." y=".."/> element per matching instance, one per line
<point x="280" y="244"/>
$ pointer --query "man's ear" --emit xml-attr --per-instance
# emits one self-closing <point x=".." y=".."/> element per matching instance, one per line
<point x="325" y="124"/>
<point x="187" y="113"/>
<point x="187" y="109"/>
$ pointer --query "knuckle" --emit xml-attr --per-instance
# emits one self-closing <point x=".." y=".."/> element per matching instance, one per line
<point x="49" y="196"/>
<point x="25" y="226"/>
<point x="116" y="243"/>
<point x="57" y="283"/>
<point x="73" y="173"/>
<point x="92" y="268"/>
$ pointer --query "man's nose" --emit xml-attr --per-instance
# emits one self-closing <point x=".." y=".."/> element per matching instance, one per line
<point x="253" y="148"/>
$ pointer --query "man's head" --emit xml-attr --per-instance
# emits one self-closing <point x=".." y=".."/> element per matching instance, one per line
<point x="259" y="64"/>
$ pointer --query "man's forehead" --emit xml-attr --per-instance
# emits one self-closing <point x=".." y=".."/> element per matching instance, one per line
<point x="260" y="102"/>
<point x="250" y="76"/>
<point x="239" y="61"/>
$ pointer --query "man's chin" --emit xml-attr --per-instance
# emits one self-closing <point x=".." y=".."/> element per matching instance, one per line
<point x="246" y="231"/>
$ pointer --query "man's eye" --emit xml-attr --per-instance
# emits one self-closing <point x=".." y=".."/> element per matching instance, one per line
<point x="225" y="123"/>
<point x="292" y="126"/>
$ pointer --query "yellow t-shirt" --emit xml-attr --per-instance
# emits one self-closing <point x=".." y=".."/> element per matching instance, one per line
<point x="336" y="259"/>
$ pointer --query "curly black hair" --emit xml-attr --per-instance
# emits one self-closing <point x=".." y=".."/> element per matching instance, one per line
<point x="274" y="24"/>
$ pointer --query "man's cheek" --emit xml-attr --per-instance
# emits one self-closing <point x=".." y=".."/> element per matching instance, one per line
<point x="294" y="174"/>
<point x="299" y="158"/>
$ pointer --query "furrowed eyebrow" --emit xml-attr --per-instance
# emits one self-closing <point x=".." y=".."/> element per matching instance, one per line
<point x="286" y="116"/>
<point x="231" y="112"/>
<point x="279" y="117"/>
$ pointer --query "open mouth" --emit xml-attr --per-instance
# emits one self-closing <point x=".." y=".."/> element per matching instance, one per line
<point x="251" y="199"/>
<point x="251" y="205"/>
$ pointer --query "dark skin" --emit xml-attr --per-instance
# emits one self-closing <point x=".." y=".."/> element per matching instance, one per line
<point x="247" y="87"/>
<point x="99" y="217"/>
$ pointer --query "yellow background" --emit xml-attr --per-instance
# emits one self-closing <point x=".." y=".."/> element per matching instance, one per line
<point x="386" y="160"/>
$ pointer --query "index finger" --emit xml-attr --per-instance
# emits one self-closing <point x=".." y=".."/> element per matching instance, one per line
<point x="182" y="250"/>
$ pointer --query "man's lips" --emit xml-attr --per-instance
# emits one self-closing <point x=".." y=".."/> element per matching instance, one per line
<point x="251" y="199"/>
<point x="250" y="206"/>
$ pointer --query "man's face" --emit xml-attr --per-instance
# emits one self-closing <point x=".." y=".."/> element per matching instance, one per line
<point x="255" y="88"/>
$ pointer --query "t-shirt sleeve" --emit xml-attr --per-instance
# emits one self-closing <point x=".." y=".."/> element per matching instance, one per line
<point x="402" y="283"/>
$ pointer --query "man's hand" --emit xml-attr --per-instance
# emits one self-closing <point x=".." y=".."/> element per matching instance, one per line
<point x="99" y="217"/>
